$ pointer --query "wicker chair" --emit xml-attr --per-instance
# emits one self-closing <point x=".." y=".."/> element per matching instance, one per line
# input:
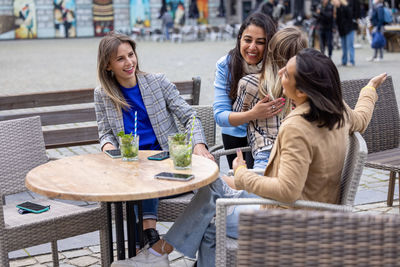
<point x="317" y="238"/>
<point x="383" y="133"/>
<point x="351" y="173"/>
<point x="170" y="208"/>
<point x="22" y="148"/>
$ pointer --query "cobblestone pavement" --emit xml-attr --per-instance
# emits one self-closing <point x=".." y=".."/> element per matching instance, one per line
<point x="46" y="65"/>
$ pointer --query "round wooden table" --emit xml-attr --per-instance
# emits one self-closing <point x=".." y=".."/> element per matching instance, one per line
<point x="97" y="177"/>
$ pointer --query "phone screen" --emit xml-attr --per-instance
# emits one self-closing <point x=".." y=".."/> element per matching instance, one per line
<point x="114" y="153"/>
<point x="174" y="176"/>
<point x="159" y="156"/>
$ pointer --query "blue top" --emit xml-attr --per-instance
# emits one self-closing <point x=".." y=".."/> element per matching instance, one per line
<point x="222" y="103"/>
<point x="147" y="137"/>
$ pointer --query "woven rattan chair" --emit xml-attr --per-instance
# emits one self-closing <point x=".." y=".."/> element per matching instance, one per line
<point x="351" y="173"/>
<point x="21" y="149"/>
<point x="317" y="238"/>
<point x="383" y="133"/>
<point x="170" y="208"/>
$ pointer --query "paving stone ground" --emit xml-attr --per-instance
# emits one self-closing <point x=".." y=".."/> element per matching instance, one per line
<point x="46" y="65"/>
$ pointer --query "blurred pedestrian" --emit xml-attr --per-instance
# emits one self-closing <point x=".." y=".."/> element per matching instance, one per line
<point x="377" y="20"/>
<point x="267" y="8"/>
<point x="347" y="13"/>
<point x="167" y="22"/>
<point x="325" y="19"/>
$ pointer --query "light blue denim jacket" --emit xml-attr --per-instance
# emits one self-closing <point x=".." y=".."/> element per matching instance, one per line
<point x="222" y="103"/>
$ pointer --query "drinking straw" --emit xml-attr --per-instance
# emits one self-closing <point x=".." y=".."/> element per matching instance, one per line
<point x="191" y="130"/>
<point x="135" y="123"/>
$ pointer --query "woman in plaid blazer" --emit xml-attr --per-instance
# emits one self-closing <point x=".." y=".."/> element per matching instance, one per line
<point x="124" y="91"/>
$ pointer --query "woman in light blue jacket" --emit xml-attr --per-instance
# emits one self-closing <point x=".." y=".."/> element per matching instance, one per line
<point x="246" y="58"/>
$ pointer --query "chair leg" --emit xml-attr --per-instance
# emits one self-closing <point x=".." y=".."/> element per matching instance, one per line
<point x="104" y="246"/>
<point x="54" y="252"/>
<point x="392" y="180"/>
<point x="4" y="261"/>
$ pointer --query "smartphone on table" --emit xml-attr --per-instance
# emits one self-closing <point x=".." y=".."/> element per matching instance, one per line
<point x="159" y="156"/>
<point x="31" y="207"/>
<point x="113" y="153"/>
<point x="174" y="176"/>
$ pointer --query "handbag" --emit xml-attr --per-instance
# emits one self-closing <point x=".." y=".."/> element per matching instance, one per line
<point x="378" y="40"/>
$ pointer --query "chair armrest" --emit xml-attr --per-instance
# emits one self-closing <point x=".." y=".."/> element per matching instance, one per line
<point x="219" y="151"/>
<point x="221" y="211"/>
<point x="258" y="171"/>
<point x="215" y="148"/>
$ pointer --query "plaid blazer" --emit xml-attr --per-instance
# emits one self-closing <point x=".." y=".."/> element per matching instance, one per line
<point x="261" y="134"/>
<point x="161" y="99"/>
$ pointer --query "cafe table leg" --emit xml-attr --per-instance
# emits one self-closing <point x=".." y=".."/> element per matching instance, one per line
<point x="140" y="215"/>
<point x="110" y="238"/>
<point x="119" y="230"/>
<point x="131" y="222"/>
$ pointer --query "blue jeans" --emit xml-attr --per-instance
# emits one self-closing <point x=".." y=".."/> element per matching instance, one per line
<point x="348" y="48"/>
<point x="261" y="159"/>
<point x="149" y="207"/>
<point x="193" y="230"/>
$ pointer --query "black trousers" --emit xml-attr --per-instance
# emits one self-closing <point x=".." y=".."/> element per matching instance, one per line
<point x="235" y="142"/>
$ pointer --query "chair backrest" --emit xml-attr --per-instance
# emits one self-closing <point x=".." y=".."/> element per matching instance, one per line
<point x="314" y="238"/>
<point x="206" y="116"/>
<point x="21" y="149"/>
<point x="383" y="131"/>
<point x="356" y="156"/>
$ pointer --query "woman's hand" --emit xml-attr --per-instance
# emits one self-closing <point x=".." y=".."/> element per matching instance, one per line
<point x="238" y="161"/>
<point x="266" y="109"/>
<point x="108" y="146"/>
<point x="377" y="80"/>
<point x="229" y="180"/>
<point x="201" y="150"/>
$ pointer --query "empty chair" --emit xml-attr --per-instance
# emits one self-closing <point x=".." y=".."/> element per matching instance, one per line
<point x="176" y="35"/>
<point x="22" y="149"/>
<point x="383" y="133"/>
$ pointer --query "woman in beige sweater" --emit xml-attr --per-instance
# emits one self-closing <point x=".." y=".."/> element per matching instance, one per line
<point x="306" y="160"/>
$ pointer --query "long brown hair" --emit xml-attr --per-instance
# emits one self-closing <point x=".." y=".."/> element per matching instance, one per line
<point x="235" y="58"/>
<point x="285" y="44"/>
<point x="107" y="48"/>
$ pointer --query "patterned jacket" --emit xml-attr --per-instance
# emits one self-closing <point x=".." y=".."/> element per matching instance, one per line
<point x="161" y="99"/>
<point x="261" y="134"/>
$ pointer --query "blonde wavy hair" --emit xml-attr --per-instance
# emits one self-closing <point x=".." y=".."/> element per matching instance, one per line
<point x="285" y="44"/>
<point x="107" y="48"/>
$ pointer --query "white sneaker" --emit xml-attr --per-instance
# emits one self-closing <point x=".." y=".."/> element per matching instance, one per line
<point x="378" y="59"/>
<point x="370" y="59"/>
<point x="143" y="259"/>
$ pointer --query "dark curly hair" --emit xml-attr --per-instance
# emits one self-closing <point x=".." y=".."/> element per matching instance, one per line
<point x="236" y="60"/>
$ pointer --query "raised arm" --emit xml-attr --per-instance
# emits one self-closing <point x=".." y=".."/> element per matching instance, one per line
<point x="362" y="113"/>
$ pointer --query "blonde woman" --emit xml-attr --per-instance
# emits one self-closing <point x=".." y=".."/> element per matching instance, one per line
<point x="262" y="133"/>
<point x="125" y="89"/>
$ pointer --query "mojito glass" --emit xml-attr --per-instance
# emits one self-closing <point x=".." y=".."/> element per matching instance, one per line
<point x="129" y="145"/>
<point x="180" y="152"/>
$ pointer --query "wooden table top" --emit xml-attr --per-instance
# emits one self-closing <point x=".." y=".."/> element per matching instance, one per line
<point x="97" y="177"/>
